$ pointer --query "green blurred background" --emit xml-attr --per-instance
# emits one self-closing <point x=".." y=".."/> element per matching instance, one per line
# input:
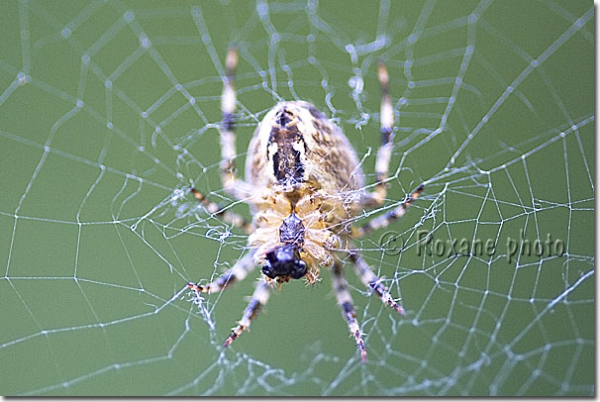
<point x="109" y="111"/>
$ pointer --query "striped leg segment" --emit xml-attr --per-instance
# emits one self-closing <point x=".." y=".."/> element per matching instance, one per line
<point x="372" y="282"/>
<point x="235" y="274"/>
<point x="225" y="214"/>
<point x="258" y="300"/>
<point x="232" y="184"/>
<point x="383" y="221"/>
<point x="345" y="302"/>
<point x="384" y="153"/>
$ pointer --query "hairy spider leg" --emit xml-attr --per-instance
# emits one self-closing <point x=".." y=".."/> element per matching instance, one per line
<point x="258" y="300"/>
<point x="372" y="282"/>
<point x="233" y="185"/>
<point x="340" y="285"/>
<point x="226" y="215"/>
<point x="235" y="274"/>
<point x="384" y="153"/>
<point x="389" y="217"/>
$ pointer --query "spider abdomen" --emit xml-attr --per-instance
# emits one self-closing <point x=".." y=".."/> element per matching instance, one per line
<point x="295" y="144"/>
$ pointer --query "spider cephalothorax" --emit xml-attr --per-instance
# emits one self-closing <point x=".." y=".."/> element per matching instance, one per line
<point x="303" y="184"/>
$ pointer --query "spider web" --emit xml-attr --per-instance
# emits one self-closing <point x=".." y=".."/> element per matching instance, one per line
<point x="110" y="112"/>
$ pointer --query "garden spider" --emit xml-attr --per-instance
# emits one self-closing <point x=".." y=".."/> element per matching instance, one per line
<point x="303" y="184"/>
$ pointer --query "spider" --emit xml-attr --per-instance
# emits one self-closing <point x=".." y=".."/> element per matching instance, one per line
<point x="304" y="184"/>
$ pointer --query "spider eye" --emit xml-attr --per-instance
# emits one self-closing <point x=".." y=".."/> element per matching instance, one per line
<point x="284" y="261"/>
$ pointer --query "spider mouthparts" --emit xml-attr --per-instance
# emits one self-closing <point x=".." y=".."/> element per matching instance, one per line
<point x="283" y="263"/>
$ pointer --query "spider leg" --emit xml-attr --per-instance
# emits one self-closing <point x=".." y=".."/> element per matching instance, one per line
<point x="235" y="274"/>
<point x="384" y="153"/>
<point x="232" y="184"/>
<point x="384" y="220"/>
<point x="340" y="285"/>
<point x="226" y="215"/>
<point x="259" y="299"/>
<point x="371" y="281"/>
